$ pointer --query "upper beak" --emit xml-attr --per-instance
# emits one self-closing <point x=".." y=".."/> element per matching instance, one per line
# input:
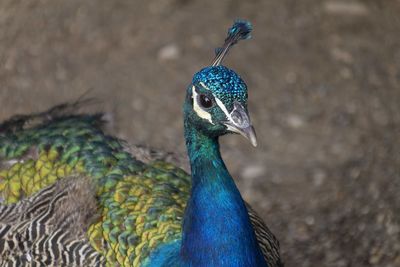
<point x="239" y="122"/>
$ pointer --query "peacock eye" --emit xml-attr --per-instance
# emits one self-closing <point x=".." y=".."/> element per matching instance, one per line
<point x="205" y="101"/>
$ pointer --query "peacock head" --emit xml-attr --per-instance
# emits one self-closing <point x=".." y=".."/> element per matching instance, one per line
<point x="216" y="100"/>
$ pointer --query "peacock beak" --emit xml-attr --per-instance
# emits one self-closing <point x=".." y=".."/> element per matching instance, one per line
<point x="250" y="134"/>
<point x="239" y="122"/>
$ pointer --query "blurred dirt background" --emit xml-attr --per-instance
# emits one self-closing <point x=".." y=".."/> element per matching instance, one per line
<point x="324" y="85"/>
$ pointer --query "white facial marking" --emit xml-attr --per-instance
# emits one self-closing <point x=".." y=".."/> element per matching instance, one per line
<point x="223" y="108"/>
<point x="205" y="87"/>
<point x="199" y="111"/>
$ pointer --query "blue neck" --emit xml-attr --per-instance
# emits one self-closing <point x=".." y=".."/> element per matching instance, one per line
<point x="216" y="229"/>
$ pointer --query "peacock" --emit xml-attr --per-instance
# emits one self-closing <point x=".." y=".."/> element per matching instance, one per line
<point x="71" y="195"/>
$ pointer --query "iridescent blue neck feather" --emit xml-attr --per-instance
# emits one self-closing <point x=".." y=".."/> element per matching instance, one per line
<point x="216" y="226"/>
<point x="216" y="230"/>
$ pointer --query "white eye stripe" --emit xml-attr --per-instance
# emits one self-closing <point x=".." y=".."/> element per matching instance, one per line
<point x="223" y="108"/>
<point x="205" y="87"/>
<point x="196" y="107"/>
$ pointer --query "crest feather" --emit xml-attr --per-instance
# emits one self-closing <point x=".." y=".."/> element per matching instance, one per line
<point x="240" y="30"/>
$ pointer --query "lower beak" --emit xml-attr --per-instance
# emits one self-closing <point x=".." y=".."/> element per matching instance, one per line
<point x="250" y="134"/>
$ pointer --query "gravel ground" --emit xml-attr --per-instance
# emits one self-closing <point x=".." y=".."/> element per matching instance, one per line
<point x="324" y="85"/>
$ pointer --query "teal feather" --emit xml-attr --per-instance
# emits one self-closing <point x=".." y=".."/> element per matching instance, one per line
<point x="240" y="30"/>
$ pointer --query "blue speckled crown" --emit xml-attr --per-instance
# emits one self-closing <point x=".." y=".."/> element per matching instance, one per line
<point x="225" y="84"/>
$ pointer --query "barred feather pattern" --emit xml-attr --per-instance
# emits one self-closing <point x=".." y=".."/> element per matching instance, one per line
<point x="46" y="229"/>
<point x="72" y="196"/>
<point x="269" y="244"/>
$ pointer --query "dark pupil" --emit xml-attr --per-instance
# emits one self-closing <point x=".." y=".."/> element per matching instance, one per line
<point x="205" y="101"/>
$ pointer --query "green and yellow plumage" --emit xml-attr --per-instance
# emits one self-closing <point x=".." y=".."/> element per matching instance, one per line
<point x="140" y="205"/>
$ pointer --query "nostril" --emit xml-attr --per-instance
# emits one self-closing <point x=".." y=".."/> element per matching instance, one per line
<point x="237" y="118"/>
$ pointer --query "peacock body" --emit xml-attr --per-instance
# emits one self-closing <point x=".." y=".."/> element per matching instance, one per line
<point x="70" y="195"/>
